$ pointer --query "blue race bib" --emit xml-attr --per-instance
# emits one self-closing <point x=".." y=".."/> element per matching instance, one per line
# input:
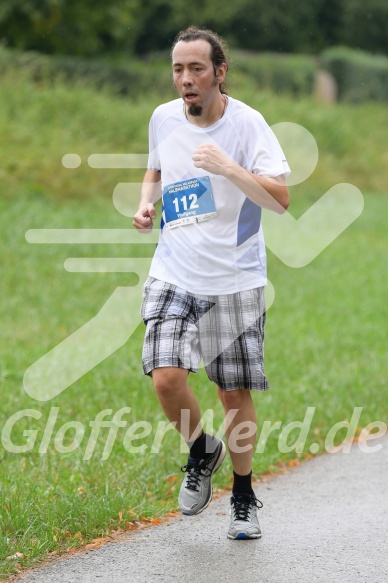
<point x="188" y="201"/>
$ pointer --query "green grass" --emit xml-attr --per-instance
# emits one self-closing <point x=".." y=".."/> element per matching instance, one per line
<point x="325" y="335"/>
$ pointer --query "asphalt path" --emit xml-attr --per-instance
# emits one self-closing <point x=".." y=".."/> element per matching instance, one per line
<point x="324" y="521"/>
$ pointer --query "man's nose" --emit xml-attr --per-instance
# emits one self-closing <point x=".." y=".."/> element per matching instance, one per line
<point x="186" y="77"/>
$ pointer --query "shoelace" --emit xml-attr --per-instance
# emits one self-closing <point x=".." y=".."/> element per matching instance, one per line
<point x="195" y="471"/>
<point x="243" y="504"/>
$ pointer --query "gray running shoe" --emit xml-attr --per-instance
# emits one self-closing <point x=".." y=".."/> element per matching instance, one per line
<point x="196" y="490"/>
<point x="243" y="517"/>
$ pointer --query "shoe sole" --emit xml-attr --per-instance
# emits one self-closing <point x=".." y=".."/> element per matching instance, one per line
<point x="244" y="536"/>
<point x="219" y="461"/>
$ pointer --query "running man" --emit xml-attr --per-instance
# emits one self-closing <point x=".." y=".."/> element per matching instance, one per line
<point x="216" y="163"/>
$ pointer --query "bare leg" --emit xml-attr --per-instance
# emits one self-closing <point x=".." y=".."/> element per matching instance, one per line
<point x="241" y="448"/>
<point x="175" y="395"/>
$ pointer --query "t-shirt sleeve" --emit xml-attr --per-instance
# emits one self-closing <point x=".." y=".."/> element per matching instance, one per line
<point x="153" y="150"/>
<point x="267" y="158"/>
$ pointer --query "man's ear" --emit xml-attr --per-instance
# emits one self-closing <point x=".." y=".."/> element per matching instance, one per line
<point x="221" y="72"/>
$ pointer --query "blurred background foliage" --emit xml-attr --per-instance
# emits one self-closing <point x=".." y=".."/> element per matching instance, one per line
<point x="90" y="28"/>
<point x="280" y="44"/>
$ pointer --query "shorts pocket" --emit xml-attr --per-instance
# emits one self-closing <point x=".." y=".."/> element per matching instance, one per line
<point x="164" y="301"/>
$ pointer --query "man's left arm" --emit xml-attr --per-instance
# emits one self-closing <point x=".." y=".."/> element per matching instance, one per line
<point x="267" y="192"/>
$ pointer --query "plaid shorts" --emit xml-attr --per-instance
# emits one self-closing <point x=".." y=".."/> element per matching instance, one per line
<point x="226" y="331"/>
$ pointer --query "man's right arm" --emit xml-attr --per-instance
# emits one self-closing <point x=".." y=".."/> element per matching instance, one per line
<point x="150" y="194"/>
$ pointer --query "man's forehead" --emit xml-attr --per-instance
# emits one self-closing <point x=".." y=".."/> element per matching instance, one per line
<point x="191" y="51"/>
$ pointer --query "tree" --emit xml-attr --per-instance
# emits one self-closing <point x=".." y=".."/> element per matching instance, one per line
<point x="83" y="28"/>
<point x="96" y="27"/>
<point x="365" y="25"/>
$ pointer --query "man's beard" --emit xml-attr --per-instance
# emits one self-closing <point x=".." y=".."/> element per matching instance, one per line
<point x="195" y="110"/>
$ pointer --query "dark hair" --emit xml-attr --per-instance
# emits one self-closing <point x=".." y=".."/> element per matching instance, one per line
<point x="218" y="53"/>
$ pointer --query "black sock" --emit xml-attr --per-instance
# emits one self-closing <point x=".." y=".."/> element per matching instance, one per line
<point x="203" y="446"/>
<point x="242" y="484"/>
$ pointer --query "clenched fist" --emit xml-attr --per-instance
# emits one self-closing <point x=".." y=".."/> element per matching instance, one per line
<point x="211" y="159"/>
<point x="144" y="217"/>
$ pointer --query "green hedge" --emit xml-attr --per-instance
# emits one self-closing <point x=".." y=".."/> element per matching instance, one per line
<point x="279" y="72"/>
<point x="360" y="76"/>
<point x="134" y="79"/>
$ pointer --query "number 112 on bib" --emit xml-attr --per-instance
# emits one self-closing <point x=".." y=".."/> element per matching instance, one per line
<point x="188" y="201"/>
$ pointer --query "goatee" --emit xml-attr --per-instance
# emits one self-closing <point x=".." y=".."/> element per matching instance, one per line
<point x="195" y="110"/>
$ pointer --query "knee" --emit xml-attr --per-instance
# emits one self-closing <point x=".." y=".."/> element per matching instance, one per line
<point x="168" y="381"/>
<point x="233" y="399"/>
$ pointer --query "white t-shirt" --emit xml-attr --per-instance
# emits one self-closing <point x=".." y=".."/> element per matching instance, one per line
<point x="225" y="253"/>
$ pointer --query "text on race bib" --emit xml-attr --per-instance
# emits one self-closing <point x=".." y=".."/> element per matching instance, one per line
<point x="188" y="201"/>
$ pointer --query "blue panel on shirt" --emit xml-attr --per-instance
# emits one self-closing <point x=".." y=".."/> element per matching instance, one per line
<point x="248" y="221"/>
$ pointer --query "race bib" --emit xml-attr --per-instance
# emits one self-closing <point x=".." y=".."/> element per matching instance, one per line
<point x="188" y="201"/>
